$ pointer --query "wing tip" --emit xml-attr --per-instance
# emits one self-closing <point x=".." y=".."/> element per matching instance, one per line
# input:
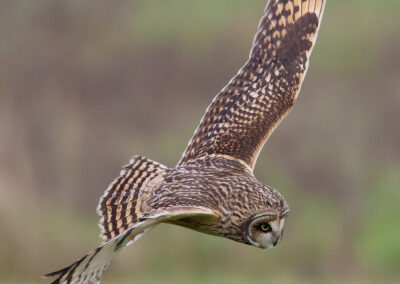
<point x="58" y="274"/>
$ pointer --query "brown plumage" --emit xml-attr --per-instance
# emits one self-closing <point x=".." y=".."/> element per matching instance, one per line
<point x="244" y="114"/>
<point x="213" y="189"/>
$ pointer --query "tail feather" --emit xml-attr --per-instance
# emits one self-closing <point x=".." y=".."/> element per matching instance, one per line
<point x="119" y="206"/>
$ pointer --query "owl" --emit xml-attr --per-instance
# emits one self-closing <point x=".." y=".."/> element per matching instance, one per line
<point x="213" y="189"/>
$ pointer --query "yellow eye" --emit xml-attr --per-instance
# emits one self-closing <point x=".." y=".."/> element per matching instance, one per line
<point x="265" y="227"/>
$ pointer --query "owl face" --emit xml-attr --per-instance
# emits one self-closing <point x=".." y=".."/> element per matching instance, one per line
<point x="265" y="230"/>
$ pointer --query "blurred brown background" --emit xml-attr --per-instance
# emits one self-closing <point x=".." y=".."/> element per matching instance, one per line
<point x="84" y="85"/>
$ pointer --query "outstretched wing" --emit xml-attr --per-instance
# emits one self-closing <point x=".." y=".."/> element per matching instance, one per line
<point x="123" y="220"/>
<point x="89" y="269"/>
<point x="243" y="115"/>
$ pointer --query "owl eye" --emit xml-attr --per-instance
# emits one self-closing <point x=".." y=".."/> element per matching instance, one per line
<point x="265" y="227"/>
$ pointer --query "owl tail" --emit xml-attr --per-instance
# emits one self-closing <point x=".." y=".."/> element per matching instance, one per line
<point x="119" y="207"/>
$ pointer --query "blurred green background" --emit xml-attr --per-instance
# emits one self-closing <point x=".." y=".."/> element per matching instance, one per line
<point x="84" y="85"/>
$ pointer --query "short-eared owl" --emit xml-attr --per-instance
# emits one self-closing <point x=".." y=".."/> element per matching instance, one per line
<point x="212" y="189"/>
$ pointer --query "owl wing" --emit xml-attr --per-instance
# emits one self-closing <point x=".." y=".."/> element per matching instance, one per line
<point x="244" y="114"/>
<point x="123" y="219"/>
<point x="89" y="269"/>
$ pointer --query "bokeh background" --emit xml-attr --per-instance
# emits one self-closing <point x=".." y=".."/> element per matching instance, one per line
<point x="84" y="85"/>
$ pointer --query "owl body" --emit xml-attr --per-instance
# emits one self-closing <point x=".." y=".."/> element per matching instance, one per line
<point x="222" y="185"/>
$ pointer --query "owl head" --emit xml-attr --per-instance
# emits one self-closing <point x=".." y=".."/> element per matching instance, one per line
<point x="265" y="230"/>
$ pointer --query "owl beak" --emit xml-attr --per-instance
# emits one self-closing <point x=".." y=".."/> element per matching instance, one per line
<point x="276" y="240"/>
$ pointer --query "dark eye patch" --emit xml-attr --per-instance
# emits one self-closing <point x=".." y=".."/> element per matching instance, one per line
<point x="264" y="227"/>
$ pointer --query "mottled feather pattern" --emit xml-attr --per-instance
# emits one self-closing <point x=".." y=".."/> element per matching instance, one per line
<point x="213" y="189"/>
<point x="118" y="206"/>
<point x="244" y="114"/>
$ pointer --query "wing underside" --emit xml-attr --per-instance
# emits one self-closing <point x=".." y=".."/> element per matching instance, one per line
<point x="243" y="115"/>
<point x="89" y="269"/>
